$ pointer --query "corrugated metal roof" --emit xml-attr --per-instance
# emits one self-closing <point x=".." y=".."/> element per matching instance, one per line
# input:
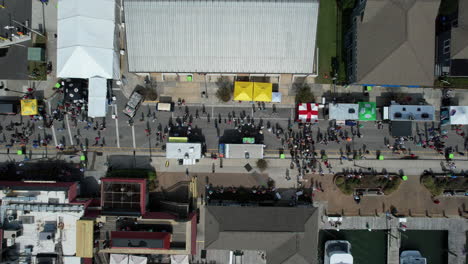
<point x="221" y="36"/>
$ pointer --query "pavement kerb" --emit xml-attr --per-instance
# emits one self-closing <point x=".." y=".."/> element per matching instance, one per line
<point x="158" y="154"/>
<point x="277" y="105"/>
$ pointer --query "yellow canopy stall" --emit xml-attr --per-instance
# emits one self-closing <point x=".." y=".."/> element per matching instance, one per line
<point x="84" y="238"/>
<point x="263" y="92"/>
<point x="29" y="107"/>
<point x="243" y="91"/>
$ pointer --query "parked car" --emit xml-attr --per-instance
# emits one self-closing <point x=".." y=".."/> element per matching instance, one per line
<point x="133" y="103"/>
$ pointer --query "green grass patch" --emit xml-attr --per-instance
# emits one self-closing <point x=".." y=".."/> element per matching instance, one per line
<point x="452" y="82"/>
<point x="37" y="70"/>
<point x="326" y="39"/>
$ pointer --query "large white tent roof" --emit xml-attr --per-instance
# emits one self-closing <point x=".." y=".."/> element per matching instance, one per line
<point x="86" y="39"/>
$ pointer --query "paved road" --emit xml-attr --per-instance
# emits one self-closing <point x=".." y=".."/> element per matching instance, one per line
<point x="119" y="136"/>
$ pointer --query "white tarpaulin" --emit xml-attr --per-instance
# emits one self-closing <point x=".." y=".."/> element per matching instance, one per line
<point x="137" y="260"/>
<point x="180" y="259"/>
<point x="97" y="100"/>
<point x="458" y="115"/>
<point x="127" y="259"/>
<point x="118" y="259"/>
<point x="86" y="39"/>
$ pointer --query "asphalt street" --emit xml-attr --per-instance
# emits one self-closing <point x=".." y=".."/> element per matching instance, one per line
<point x="119" y="136"/>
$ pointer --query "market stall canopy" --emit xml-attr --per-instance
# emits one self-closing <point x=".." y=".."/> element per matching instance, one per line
<point x="244" y="151"/>
<point x="367" y="111"/>
<point x="401" y="128"/>
<point x="183" y="150"/>
<point x="97" y="98"/>
<point x="137" y="260"/>
<point x="29" y="107"/>
<point x="86" y="42"/>
<point x="276" y="97"/>
<point x="411" y="112"/>
<point x="75" y="91"/>
<point x="458" y="115"/>
<point x="243" y="91"/>
<point x="342" y="112"/>
<point x="263" y="92"/>
<point x="119" y="259"/>
<point x="307" y="112"/>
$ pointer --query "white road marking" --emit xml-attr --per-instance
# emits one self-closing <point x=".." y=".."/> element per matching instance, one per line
<point x="212" y="111"/>
<point x="69" y="131"/>
<point x="117" y="126"/>
<point x="115" y="89"/>
<point x="133" y="135"/>
<point x="52" y="127"/>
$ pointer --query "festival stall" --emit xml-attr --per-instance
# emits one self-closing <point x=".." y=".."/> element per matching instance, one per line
<point x="262" y="92"/>
<point x="367" y="111"/>
<point x="243" y="91"/>
<point x="307" y="112"/>
<point x="29" y="107"/>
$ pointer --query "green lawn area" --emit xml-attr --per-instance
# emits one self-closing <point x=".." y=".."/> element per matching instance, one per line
<point x="453" y="82"/>
<point x="37" y="70"/>
<point x="326" y="39"/>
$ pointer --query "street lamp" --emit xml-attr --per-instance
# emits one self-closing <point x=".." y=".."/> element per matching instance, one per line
<point x="8" y="90"/>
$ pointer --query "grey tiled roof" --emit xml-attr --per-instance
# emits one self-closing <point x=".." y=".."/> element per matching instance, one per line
<point x="288" y="235"/>
<point x="396" y="42"/>
<point x="459" y="45"/>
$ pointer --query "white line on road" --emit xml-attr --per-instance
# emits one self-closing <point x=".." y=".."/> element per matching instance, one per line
<point x="212" y="111"/>
<point x="52" y="127"/>
<point x="115" y="89"/>
<point x="133" y="135"/>
<point x="117" y="126"/>
<point x="69" y="130"/>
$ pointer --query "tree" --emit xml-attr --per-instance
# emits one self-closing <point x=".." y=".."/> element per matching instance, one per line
<point x="225" y="89"/>
<point x="304" y="94"/>
<point x="150" y="94"/>
<point x="262" y="164"/>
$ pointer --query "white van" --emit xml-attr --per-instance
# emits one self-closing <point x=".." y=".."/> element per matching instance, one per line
<point x="168" y="107"/>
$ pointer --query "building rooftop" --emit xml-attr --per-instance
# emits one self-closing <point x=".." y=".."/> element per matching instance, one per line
<point x="123" y="196"/>
<point x="221" y="36"/>
<point x="153" y="236"/>
<point x="459" y="42"/>
<point x="396" y="42"/>
<point x="286" y="234"/>
<point x="37" y="217"/>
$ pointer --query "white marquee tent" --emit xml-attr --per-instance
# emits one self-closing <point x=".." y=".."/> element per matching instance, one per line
<point x="97" y="98"/>
<point x="86" y="44"/>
